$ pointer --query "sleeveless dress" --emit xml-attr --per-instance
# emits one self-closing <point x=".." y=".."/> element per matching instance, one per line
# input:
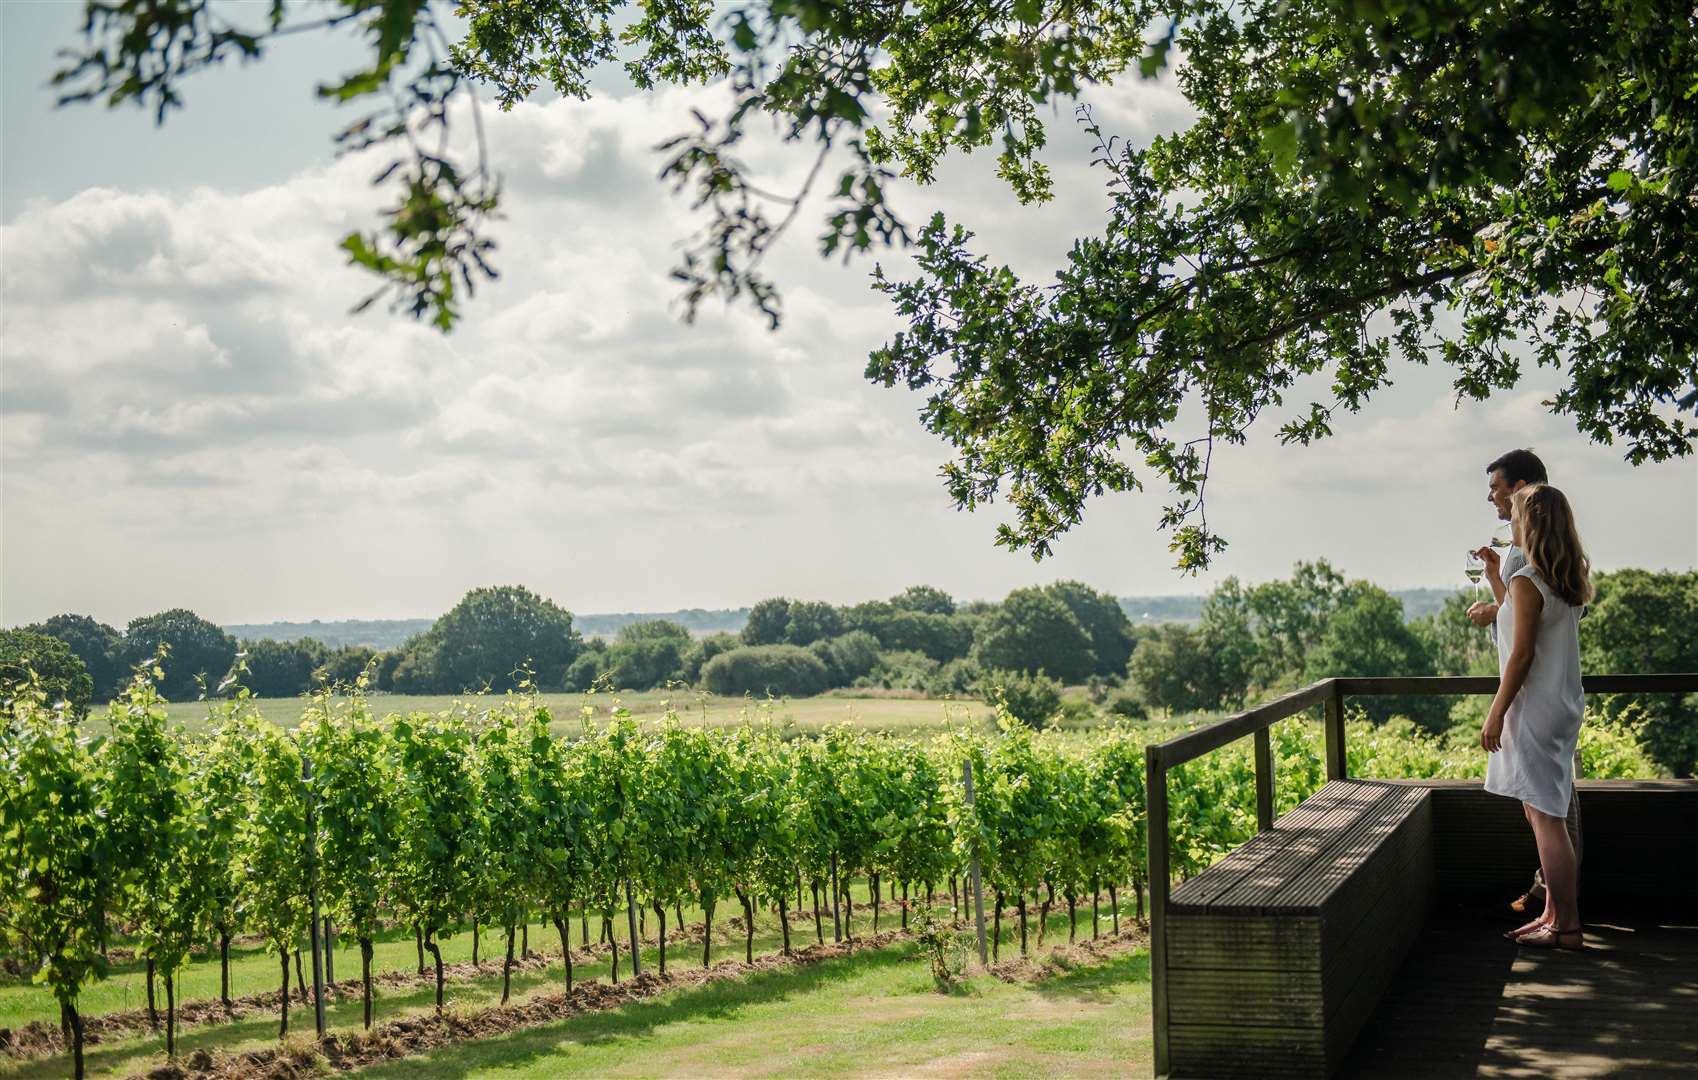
<point x="1542" y="724"/>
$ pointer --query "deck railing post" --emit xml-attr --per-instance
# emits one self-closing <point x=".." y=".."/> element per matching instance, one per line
<point x="1155" y="830"/>
<point x="1337" y="769"/>
<point x="1264" y="781"/>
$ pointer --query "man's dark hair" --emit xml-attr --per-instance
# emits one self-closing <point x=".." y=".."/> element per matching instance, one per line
<point x="1519" y="465"/>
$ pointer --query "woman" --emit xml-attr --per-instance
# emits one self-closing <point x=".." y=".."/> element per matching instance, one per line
<point x="1534" y="721"/>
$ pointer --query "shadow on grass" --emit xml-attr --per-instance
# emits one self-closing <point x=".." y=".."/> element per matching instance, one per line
<point x="717" y="1001"/>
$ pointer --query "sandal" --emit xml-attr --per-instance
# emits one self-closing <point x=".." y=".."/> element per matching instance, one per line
<point x="1522" y="931"/>
<point x="1549" y="937"/>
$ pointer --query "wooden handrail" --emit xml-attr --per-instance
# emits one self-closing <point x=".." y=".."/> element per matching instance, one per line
<point x="1160" y="757"/>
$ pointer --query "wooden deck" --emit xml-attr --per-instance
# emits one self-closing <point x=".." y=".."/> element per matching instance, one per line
<point x="1470" y="1004"/>
<point x="1361" y="935"/>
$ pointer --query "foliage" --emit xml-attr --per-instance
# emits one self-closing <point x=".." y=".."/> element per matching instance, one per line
<point x="159" y="838"/>
<point x="1127" y="705"/>
<point x="441" y="826"/>
<point x="901" y="669"/>
<point x="852" y="655"/>
<point x="53" y="849"/>
<point x="343" y="667"/>
<point x="1104" y="621"/>
<point x="270" y="856"/>
<point x="1171" y="669"/>
<point x="1342" y="162"/>
<point x="199" y="651"/>
<point x="1366" y="635"/>
<point x="924" y="599"/>
<point x="1227" y="635"/>
<point x="1291" y="616"/>
<point x="769" y="622"/>
<point x="645" y="655"/>
<point x="487" y="638"/>
<point x="1033" y="700"/>
<point x="284" y="668"/>
<point x="704" y="649"/>
<point x="765" y="669"/>
<point x="1457" y="646"/>
<point x="958" y="678"/>
<point x="98" y="646"/>
<point x="1641" y="623"/>
<point x="589" y="665"/>
<point x="1033" y="630"/>
<point x="28" y="658"/>
<point x="358" y="820"/>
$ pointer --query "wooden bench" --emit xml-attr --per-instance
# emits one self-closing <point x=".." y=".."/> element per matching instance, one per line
<point x="1280" y="952"/>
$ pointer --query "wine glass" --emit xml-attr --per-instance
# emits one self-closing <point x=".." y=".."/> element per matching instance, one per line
<point x="1475" y="569"/>
<point x="1501" y="538"/>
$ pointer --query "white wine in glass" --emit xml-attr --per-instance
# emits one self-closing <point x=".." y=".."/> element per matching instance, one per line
<point x="1475" y="569"/>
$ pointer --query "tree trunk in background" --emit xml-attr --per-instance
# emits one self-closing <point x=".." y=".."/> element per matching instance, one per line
<point x="709" y="902"/>
<point x="76" y="1042"/>
<point x="561" y="926"/>
<point x="435" y="951"/>
<point x="365" y="977"/>
<point x="660" y="915"/>
<point x="836" y="915"/>
<point x="507" y="968"/>
<point x="329" y="953"/>
<point x="283" y="1029"/>
<point x="170" y="1016"/>
<point x="224" y="968"/>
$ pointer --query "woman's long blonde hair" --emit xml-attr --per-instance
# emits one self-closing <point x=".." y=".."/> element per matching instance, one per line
<point x="1544" y="522"/>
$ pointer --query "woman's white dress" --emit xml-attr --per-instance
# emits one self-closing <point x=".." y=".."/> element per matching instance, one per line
<point x="1542" y="726"/>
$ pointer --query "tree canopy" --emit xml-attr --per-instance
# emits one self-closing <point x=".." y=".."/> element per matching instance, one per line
<point x="1473" y="182"/>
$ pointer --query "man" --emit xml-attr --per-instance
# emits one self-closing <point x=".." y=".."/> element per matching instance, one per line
<point x="1504" y="477"/>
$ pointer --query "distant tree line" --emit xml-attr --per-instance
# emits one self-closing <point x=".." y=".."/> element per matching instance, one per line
<point x="1251" y="641"/>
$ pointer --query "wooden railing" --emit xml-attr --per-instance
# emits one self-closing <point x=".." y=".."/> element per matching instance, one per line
<point x="1330" y="693"/>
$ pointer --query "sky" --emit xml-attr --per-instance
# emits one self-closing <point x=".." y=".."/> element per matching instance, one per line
<point x="190" y="416"/>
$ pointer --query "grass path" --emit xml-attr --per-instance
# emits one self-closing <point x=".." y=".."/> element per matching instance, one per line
<point x="872" y="1014"/>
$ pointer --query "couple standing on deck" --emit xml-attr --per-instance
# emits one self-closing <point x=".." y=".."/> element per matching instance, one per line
<point x="1542" y="585"/>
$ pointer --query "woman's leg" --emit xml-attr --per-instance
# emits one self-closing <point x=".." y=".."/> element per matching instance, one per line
<point x="1543" y="918"/>
<point x="1556" y="856"/>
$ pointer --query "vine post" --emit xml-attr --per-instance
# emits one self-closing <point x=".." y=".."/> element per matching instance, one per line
<point x="978" y="891"/>
<point x="313" y="925"/>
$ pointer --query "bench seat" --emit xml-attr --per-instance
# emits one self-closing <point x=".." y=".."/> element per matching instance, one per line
<point x="1279" y="953"/>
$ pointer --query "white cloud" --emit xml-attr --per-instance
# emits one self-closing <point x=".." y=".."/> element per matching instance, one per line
<point x="191" y="415"/>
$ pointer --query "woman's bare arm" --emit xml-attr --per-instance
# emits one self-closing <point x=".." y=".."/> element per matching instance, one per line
<point x="1528" y="606"/>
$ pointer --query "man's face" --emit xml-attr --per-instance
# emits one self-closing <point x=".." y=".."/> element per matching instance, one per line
<point x="1498" y="492"/>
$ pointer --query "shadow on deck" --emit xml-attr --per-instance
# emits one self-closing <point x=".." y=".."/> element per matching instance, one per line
<point x="1467" y="1003"/>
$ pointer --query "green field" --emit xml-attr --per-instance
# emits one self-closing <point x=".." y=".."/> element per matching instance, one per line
<point x="897" y="715"/>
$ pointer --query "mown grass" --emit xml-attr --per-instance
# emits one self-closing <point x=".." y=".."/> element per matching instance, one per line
<point x="869" y="1014"/>
<point x="811" y="999"/>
